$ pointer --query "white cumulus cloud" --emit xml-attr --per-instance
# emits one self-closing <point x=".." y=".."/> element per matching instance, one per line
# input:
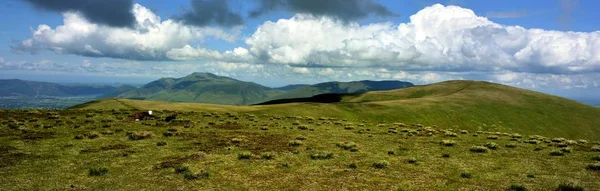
<point x="151" y="39"/>
<point x="440" y="38"/>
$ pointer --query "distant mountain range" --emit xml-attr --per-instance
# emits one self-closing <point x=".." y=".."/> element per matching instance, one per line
<point x="210" y="88"/>
<point x="23" y="88"/>
<point x="201" y="88"/>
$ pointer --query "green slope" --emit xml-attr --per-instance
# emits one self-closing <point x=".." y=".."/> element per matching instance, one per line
<point x="469" y="105"/>
<point x="118" y="91"/>
<point x="342" y="87"/>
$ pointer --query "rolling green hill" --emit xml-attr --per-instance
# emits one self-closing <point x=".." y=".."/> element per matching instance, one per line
<point x="201" y="87"/>
<point x="341" y="88"/>
<point x="470" y="105"/>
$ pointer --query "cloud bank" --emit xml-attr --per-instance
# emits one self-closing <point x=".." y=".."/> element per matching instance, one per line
<point x="437" y="38"/>
<point x="437" y="43"/>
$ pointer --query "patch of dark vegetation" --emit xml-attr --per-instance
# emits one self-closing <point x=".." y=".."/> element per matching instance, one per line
<point x="412" y="161"/>
<point x="492" y="145"/>
<point x="516" y="187"/>
<point x="27" y="135"/>
<point x="161" y="143"/>
<point x="196" y="176"/>
<point x="353" y="166"/>
<point x="170" y="118"/>
<point x="97" y="171"/>
<point x="349" y="146"/>
<point x="295" y="143"/>
<point x="466" y="175"/>
<point x="380" y="164"/>
<point x="245" y="156"/>
<point x="228" y="126"/>
<point x="557" y="153"/>
<point x="594" y="167"/>
<point x="321" y="155"/>
<point x="446" y="155"/>
<point x="448" y="143"/>
<point x="181" y="169"/>
<point x="568" y="187"/>
<point x="267" y="156"/>
<point x="92" y="135"/>
<point x="172" y="162"/>
<point x="321" y="98"/>
<point x="8" y="156"/>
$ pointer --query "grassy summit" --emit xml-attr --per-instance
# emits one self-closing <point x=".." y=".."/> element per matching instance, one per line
<point x="469" y="105"/>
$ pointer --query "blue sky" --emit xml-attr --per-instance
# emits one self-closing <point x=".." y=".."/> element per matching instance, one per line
<point x="545" y="45"/>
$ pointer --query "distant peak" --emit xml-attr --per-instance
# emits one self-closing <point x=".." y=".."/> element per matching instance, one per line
<point x="202" y="74"/>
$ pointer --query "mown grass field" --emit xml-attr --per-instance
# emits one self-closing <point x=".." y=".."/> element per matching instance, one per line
<point x="104" y="150"/>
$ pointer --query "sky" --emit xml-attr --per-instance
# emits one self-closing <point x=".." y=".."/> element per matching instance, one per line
<point x="551" y="46"/>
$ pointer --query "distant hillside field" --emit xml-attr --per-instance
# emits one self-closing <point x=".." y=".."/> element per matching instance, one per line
<point x="23" y="88"/>
<point x="470" y="105"/>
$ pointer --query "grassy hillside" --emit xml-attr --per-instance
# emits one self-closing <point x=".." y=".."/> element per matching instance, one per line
<point x="202" y="87"/>
<point x="341" y="88"/>
<point x="468" y="105"/>
<point x="118" y="91"/>
<point x="104" y="150"/>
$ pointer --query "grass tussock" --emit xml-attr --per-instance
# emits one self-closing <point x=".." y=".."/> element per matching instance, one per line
<point x="245" y="156"/>
<point x="321" y="155"/>
<point x="479" y="149"/>
<point x="295" y="143"/>
<point x="139" y="135"/>
<point x="196" y="176"/>
<point x="448" y="143"/>
<point x="466" y="175"/>
<point x="380" y="164"/>
<point x="349" y="146"/>
<point x="492" y="145"/>
<point x="97" y="171"/>
<point x="568" y="187"/>
<point x="594" y="167"/>
<point x="517" y="187"/>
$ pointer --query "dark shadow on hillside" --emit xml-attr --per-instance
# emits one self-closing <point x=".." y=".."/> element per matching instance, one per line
<point x="321" y="98"/>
